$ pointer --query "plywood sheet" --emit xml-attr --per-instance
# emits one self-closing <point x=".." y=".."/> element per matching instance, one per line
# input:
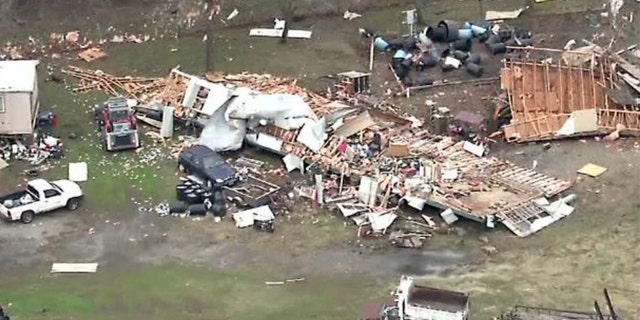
<point x="592" y="170"/>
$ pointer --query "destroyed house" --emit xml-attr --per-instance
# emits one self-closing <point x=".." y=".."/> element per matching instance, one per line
<point x="556" y="94"/>
<point x="424" y="303"/>
<point x="19" y="100"/>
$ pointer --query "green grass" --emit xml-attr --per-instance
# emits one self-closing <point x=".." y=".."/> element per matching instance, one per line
<point x="179" y="292"/>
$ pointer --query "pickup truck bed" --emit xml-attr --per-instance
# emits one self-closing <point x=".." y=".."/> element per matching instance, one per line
<point x="12" y="200"/>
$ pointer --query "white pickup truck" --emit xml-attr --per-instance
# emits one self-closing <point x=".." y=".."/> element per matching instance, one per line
<point x="40" y="196"/>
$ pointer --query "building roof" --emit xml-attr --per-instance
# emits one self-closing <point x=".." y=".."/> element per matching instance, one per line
<point x="17" y="75"/>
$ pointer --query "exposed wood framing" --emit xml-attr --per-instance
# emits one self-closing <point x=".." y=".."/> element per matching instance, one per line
<point x="564" y="89"/>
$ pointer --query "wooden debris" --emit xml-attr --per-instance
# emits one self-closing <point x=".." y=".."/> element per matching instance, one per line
<point x="92" y="54"/>
<point x="74" y="268"/>
<point x="113" y="85"/>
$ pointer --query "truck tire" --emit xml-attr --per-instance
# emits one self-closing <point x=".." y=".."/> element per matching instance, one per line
<point x="73" y="203"/>
<point x="27" y="217"/>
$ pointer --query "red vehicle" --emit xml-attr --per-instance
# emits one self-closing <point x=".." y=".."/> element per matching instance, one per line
<point x="117" y="125"/>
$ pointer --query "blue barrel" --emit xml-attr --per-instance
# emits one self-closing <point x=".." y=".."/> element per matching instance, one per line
<point x="400" y="54"/>
<point x="465" y="34"/>
<point x="380" y="44"/>
<point x="478" y="30"/>
<point x="466" y="25"/>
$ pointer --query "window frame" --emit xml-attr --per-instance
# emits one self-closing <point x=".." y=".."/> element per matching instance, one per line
<point x="56" y="193"/>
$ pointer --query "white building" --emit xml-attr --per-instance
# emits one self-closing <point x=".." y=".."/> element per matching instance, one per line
<point x="19" y="101"/>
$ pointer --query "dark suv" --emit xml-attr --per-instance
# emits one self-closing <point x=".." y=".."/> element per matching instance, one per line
<point x="208" y="165"/>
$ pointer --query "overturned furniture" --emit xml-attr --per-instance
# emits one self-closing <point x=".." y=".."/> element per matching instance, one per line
<point x="414" y="302"/>
<point x="555" y="94"/>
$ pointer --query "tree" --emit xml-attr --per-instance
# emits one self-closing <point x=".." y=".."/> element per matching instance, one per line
<point x="288" y="11"/>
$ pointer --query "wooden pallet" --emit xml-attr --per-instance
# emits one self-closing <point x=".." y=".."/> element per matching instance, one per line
<point x="529" y="181"/>
<point x="520" y="218"/>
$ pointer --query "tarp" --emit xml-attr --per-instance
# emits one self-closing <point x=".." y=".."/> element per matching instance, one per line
<point x="227" y="126"/>
<point x="285" y="110"/>
<point x="221" y="135"/>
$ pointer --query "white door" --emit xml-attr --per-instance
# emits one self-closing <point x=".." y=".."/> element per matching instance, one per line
<point x="53" y="200"/>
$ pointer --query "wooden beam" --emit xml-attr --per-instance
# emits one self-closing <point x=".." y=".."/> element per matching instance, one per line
<point x="593" y="87"/>
<point x="582" y="97"/>
<point x="453" y="83"/>
<point x="560" y="81"/>
<point x="569" y="87"/>
<point x="547" y="89"/>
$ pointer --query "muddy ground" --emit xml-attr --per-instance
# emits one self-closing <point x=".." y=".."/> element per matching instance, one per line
<point x="169" y="267"/>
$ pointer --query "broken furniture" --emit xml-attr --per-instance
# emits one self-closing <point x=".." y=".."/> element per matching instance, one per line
<point x="252" y="192"/>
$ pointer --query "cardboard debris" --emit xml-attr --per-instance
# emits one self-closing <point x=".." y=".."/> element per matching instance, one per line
<point x="92" y="54"/>
<point x="74" y="268"/>
<point x="398" y="150"/>
<point x="592" y="170"/>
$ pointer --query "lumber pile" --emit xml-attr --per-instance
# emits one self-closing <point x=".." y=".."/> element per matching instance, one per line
<point x="113" y="85"/>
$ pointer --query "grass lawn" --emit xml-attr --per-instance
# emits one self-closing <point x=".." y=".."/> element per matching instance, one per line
<point x="181" y="292"/>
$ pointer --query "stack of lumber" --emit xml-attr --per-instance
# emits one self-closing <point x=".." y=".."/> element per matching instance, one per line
<point x="113" y="85"/>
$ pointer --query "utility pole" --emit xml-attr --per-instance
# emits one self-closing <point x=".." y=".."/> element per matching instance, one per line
<point x="210" y="12"/>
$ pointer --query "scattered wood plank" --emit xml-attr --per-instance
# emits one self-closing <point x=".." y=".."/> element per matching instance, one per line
<point x="74" y="268"/>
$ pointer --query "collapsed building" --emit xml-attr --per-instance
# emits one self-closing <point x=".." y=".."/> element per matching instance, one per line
<point x="556" y="94"/>
<point x="382" y="160"/>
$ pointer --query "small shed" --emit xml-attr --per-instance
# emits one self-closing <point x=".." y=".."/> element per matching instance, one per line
<point x="19" y="101"/>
